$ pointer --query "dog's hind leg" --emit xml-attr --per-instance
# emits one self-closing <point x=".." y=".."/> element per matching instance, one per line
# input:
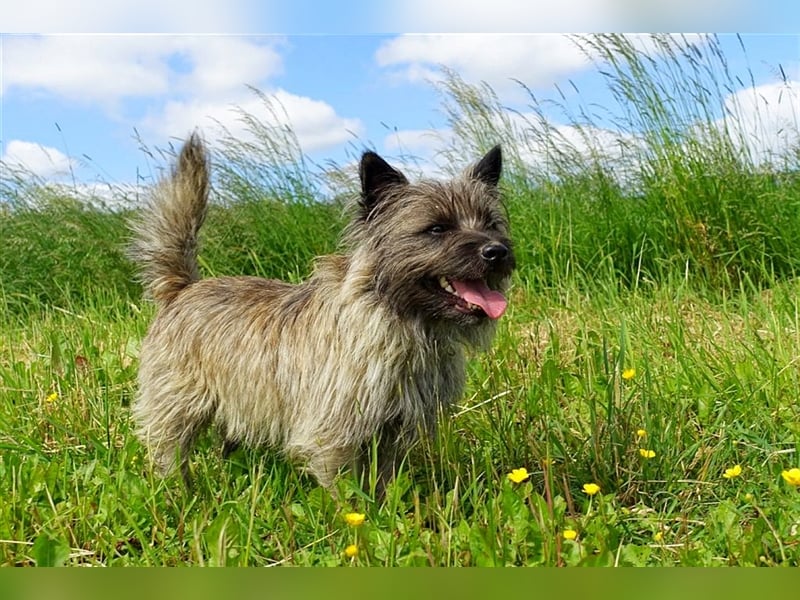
<point x="186" y="444"/>
<point x="169" y="429"/>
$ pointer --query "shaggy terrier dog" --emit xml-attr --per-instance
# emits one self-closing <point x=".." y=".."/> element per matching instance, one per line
<point x="372" y="344"/>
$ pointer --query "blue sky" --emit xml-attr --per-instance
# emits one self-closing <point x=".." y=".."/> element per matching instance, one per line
<point x="71" y="103"/>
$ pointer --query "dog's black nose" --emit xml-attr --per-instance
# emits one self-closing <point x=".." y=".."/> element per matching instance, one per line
<point x="494" y="251"/>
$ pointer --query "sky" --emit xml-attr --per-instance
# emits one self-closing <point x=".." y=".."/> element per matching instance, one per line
<point x="82" y="87"/>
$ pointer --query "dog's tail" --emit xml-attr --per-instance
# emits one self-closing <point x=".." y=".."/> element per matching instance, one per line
<point x="165" y="234"/>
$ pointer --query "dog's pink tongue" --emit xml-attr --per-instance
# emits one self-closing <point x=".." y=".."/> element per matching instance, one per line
<point x="477" y="292"/>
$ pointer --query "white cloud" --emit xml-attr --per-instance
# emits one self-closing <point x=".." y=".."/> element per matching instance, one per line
<point x="125" y="17"/>
<point x="536" y="60"/>
<point x="315" y="123"/>
<point x="765" y="119"/>
<point x="36" y="159"/>
<point x="108" y="69"/>
<point x="185" y="81"/>
<point x="529" y="138"/>
<point x="119" y="196"/>
<point x="417" y="141"/>
<point x="415" y="151"/>
<point x="221" y="65"/>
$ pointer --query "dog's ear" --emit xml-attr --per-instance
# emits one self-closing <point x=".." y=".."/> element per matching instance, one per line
<point x="377" y="176"/>
<point x="488" y="168"/>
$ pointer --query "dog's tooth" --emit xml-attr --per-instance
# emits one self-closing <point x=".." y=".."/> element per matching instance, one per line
<point x="446" y="285"/>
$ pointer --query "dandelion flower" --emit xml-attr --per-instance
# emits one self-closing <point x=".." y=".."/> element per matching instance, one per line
<point x="647" y="453"/>
<point x="518" y="475"/>
<point x="351" y="551"/>
<point x="354" y="519"/>
<point x="52" y="397"/>
<point x="640" y="433"/>
<point x="569" y="534"/>
<point x="658" y="536"/>
<point x="734" y="471"/>
<point x="792" y="476"/>
<point x="591" y="488"/>
<point x="629" y="374"/>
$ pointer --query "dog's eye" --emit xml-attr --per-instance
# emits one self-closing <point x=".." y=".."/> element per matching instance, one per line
<point x="493" y="224"/>
<point x="438" y="229"/>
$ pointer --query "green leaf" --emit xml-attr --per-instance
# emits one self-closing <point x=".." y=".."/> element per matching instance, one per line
<point x="49" y="551"/>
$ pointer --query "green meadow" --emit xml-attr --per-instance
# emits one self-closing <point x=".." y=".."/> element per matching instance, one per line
<point x="645" y="376"/>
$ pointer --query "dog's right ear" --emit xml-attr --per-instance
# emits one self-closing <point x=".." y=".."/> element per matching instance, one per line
<point x="488" y="168"/>
<point x="377" y="176"/>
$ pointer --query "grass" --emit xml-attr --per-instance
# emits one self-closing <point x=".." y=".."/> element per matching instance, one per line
<point x="651" y="345"/>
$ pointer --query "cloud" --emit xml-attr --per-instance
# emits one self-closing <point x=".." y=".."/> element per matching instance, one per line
<point x="166" y="86"/>
<point x="105" y="70"/>
<point x="315" y="123"/>
<point x="40" y="161"/>
<point x="537" y="60"/>
<point x="422" y="141"/>
<point x="121" y="17"/>
<point x="765" y="120"/>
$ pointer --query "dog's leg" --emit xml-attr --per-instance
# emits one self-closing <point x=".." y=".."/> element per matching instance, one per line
<point x="186" y="444"/>
<point x="229" y="447"/>
<point x="325" y="465"/>
<point x="385" y="451"/>
<point x="170" y="435"/>
<point x="391" y="450"/>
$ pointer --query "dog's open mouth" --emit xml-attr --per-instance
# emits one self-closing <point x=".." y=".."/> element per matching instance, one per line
<point x="473" y="296"/>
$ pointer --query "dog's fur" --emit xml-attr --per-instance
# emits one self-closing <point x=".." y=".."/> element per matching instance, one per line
<point x="371" y="344"/>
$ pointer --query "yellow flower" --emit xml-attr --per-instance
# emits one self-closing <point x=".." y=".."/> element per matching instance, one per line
<point x="52" y="397"/>
<point x="354" y="519"/>
<point x="647" y="453"/>
<point x="628" y="374"/>
<point x="518" y="475"/>
<point x="569" y="534"/>
<point x="351" y="551"/>
<point x="734" y="471"/>
<point x="792" y="476"/>
<point x="658" y="536"/>
<point x="640" y="433"/>
<point x="591" y="488"/>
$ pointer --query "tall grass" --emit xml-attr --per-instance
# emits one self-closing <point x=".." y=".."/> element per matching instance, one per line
<point x="650" y="345"/>
<point x="661" y="182"/>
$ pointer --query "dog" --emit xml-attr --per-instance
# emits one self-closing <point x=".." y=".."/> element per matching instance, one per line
<point x="368" y="350"/>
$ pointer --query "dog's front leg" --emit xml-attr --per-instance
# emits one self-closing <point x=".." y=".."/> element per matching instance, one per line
<point x="325" y="464"/>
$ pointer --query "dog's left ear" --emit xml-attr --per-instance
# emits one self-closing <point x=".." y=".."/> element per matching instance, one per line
<point x="377" y="176"/>
<point x="489" y="167"/>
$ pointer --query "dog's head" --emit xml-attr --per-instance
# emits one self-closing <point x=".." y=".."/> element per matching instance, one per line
<point x="438" y="250"/>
